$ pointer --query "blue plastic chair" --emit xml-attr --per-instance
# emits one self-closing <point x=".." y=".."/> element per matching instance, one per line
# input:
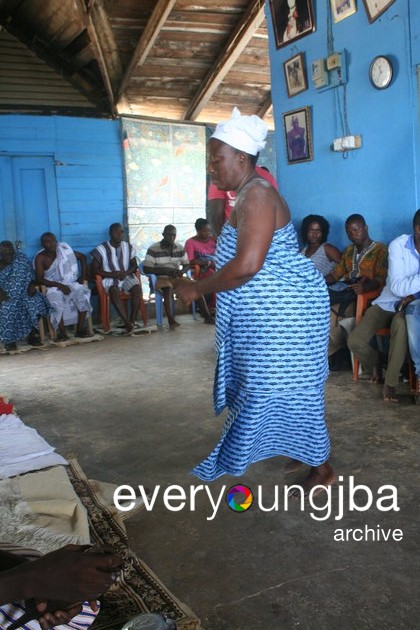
<point x="159" y="298"/>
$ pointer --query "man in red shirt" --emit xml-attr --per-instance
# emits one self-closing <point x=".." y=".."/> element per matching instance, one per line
<point x="220" y="202"/>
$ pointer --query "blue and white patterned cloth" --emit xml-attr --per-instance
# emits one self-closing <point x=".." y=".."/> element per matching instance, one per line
<point x="20" y="312"/>
<point x="271" y="347"/>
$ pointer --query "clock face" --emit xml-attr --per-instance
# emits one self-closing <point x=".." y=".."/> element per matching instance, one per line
<point x="380" y="72"/>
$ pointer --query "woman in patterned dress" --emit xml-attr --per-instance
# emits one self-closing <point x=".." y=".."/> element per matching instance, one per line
<point x="272" y="322"/>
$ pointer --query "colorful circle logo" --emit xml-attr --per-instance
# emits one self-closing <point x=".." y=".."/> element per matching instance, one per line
<point x="239" y="498"/>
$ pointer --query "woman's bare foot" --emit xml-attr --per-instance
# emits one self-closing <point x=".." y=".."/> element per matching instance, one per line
<point x="376" y="376"/>
<point x="318" y="476"/>
<point x="293" y="465"/>
<point x="389" y="394"/>
<point x="173" y="324"/>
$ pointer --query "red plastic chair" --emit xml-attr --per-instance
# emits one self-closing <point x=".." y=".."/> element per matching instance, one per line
<point x="104" y="303"/>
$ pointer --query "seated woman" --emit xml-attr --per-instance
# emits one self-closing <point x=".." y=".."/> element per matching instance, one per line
<point x="21" y="305"/>
<point x="314" y="233"/>
<point x="201" y="250"/>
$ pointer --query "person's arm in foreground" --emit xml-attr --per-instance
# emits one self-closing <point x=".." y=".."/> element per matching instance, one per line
<point x="67" y="575"/>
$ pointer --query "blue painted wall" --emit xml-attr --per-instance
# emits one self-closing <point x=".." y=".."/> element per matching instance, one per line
<point x="88" y="170"/>
<point x="380" y="180"/>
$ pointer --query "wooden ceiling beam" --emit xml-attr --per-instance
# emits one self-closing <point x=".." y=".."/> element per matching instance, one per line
<point x="99" y="30"/>
<point x="147" y="39"/>
<point x="238" y="41"/>
<point x="265" y="106"/>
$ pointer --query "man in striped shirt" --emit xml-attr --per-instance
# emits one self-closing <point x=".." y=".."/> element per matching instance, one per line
<point x="168" y="260"/>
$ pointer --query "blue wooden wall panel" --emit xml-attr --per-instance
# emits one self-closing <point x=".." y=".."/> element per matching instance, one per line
<point x="88" y="169"/>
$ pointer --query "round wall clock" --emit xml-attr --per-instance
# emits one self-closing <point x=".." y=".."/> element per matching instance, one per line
<point x="381" y="72"/>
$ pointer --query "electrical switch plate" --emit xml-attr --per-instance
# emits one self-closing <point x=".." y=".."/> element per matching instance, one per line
<point x="347" y="143"/>
<point x="319" y="73"/>
<point x="334" y="61"/>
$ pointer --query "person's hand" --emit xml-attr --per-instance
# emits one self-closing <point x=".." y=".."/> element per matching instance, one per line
<point x="186" y="291"/>
<point x="71" y="575"/>
<point x="404" y="302"/>
<point x="31" y="289"/>
<point x="3" y="296"/>
<point x="52" y="618"/>
<point x="64" y="289"/>
<point x="360" y="285"/>
<point x="121" y="275"/>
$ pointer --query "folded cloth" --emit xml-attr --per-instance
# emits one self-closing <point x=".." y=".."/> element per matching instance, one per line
<point x="22" y="449"/>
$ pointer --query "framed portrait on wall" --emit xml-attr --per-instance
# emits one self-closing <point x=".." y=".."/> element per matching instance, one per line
<point x="342" y="8"/>
<point x="375" y="8"/>
<point x="298" y="135"/>
<point x="295" y="75"/>
<point x="292" y="19"/>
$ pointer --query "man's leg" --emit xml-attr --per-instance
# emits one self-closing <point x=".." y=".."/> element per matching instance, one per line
<point x="114" y="296"/>
<point x="359" y="338"/>
<point x="136" y="295"/>
<point x="80" y="330"/>
<point x="396" y="355"/>
<point x="167" y="302"/>
<point x="412" y="317"/>
<point x="337" y="335"/>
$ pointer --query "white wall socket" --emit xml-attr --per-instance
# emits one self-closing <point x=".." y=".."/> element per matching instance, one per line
<point x="347" y="143"/>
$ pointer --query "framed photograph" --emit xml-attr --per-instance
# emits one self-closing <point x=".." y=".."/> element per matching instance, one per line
<point x="298" y="136"/>
<point x="342" y="8"/>
<point x="375" y="8"/>
<point x="292" y="19"/>
<point x="295" y="74"/>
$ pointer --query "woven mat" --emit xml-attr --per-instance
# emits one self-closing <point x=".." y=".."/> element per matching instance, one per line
<point x="139" y="589"/>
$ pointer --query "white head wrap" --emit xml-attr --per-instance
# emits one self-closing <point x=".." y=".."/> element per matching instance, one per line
<point x="245" y="133"/>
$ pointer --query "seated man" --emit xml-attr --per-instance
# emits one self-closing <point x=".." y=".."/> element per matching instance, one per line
<point x="57" y="589"/>
<point x="396" y="306"/>
<point x="21" y="305"/>
<point x="56" y="267"/>
<point x="201" y="251"/>
<point x="115" y="260"/>
<point x="168" y="261"/>
<point x="220" y="202"/>
<point x="363" y="267"/>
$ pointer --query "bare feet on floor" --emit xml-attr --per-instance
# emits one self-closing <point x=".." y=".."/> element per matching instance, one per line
<point x="376" y="377"/>
<point x="389" y="394"/>
<point x="318" y="476"/>
<point x="129" y="330"/>
<point x="173" y="324"/>
<point x="293" y="465"/>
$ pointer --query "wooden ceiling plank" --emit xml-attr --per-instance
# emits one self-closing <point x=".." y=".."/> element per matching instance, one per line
<point x="244" y="32"/>
<point x="148" y="38"/>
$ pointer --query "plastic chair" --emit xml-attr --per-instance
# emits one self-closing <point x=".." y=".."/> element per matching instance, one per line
<point x="105" y="303"/>
<point x="159" y="298"/>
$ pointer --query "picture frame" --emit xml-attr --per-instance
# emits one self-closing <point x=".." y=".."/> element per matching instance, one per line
<point x="295" y="75"/>
<point x="292" y="19"/>
<point x="341" y="9"/>
<point x="298" y="135"/>
<point x="375" y="8"/>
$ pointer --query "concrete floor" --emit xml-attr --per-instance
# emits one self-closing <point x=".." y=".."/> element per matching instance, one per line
<point x="138" y="410"/>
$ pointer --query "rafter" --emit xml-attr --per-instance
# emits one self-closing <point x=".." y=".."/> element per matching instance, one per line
<point x="96" y="23"/>
<point x="148" y="38"/>
<point x="265" y="106"/>
<point x="243" y="33"/>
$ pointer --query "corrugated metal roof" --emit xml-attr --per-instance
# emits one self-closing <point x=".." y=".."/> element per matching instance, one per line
<point x="26" y="82"/>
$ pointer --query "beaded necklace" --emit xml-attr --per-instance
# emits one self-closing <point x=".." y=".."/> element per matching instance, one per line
<point x="357" y="259"/>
